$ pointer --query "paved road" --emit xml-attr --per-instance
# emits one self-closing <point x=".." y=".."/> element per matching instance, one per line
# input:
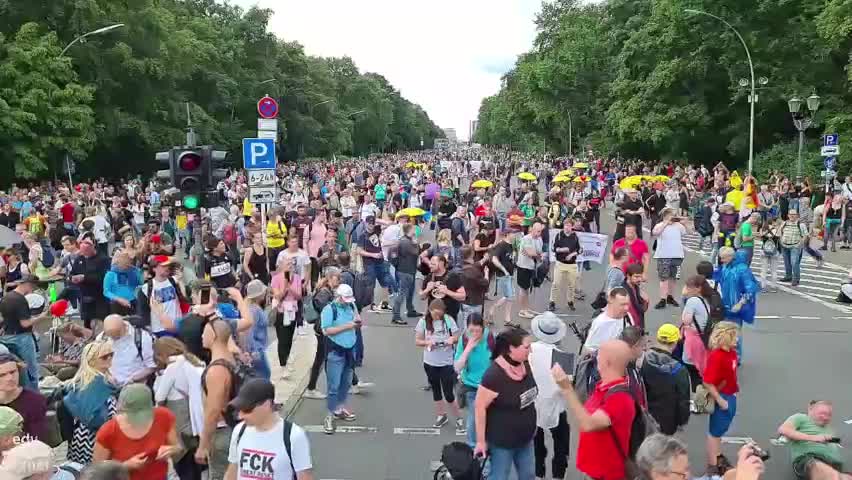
<point x="787" y="355"/>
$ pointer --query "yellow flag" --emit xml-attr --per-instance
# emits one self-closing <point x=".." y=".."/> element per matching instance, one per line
<point x="736" y="181"/>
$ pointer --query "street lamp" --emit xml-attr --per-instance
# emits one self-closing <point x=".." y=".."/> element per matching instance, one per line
<point x="752" y="98"/>
<point x="82" y="38"/>
<point x="802" y="121"/>
<point x="569" y="133"/>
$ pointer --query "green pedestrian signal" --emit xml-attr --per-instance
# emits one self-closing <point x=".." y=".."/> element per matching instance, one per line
<point x="190" y="202"/>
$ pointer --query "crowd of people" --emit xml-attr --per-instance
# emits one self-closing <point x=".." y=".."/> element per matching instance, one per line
<point x="113" y="343"/>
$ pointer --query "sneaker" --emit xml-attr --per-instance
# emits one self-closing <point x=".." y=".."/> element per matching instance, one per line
<point x="354" y="390"/>
<point x="399" y="321"/>
<point x="671" y="301"/>
<point x="385" y="307"/>
<point x="376" y="309"/>
<point x="365" y="385"/>
<point x="460" y="430"/>
<point x="426" y="388"/>
<point x="314" y="395"/>
<point x="441" y="421"/>
<point x="345" y="415"/>
<point x="820" y="261"/>
<point x="328" y="425"/>
<point x="794" y="283"/>
<point x="786" y="280"/>
<point x="660" y="305"/>
<point x="525" y="314"/>
<point x="413" y="314"/>
<point x="580" y="295"/>
<point x="552" y="307"/>
<point x="571" y="307"/>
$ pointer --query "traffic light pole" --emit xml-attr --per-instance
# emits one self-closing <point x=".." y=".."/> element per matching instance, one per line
<point x="197" y="240"/>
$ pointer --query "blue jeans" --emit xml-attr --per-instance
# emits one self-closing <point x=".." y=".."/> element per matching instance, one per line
<point x="338" y="376"/>
<point x="260" y="365"/>
<point x="379" y="271"/>
<point x="502" y="459"/>
<point x="749" y="254"/>
<point x="406" y="292"/>
<point x="26" y="349"/>
<point x="792" y="263"/>
<point x="470" y="421"/>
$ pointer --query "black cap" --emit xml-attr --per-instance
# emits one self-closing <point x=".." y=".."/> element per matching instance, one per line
<point x="370" y="219"/>
<point x="252" y="393"/>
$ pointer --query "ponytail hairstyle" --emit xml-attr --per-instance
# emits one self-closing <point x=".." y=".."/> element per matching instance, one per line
<point x="510" y="337"/>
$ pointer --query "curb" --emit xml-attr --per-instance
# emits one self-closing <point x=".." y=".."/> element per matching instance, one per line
<point x="289" y="392"/>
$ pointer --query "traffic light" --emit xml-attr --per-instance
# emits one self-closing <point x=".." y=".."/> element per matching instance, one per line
<point x="193" y="174"/>
<point x="190" y="175"/>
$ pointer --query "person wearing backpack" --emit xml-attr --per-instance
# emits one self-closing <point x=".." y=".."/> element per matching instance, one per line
<point x="133" y="350"/>
<point x="264" y="445"/>
<point x="695" y="320"/>
<point x="608" y="432"/>
<point x="666" y="382"/>
<point x="220" y="382"/>
<point x="792" y="234"/>
<point x="771" y="251"/>
<point x="738" y="288"/>
<point x="339" y="321"/>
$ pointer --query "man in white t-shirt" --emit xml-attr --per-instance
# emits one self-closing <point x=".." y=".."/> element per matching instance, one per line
<point x="610" y="323"/>
<point x="163" y="307"/>
<point x="369" y="208"/>
<point x="259" y="448"/>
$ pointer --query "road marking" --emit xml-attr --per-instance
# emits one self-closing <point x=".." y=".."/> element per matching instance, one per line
<point x="416" y="431"/>
<point x="848" y="422"/>
<point x="841" y="318"/>
<point x="737" y="440"/>
<point x="797" y="317"/>
<point x="766" y="317"/>
<point x="340" y="429"/>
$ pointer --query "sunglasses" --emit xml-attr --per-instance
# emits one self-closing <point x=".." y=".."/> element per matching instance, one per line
<point x="107" y="356"/>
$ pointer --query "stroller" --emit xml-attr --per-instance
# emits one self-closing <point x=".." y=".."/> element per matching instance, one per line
<point x="459" y="463"/>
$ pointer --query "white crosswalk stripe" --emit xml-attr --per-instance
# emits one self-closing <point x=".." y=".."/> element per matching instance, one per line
<point x="816" y="284"/>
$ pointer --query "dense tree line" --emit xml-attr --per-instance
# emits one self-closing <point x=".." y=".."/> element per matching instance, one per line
<point x="114" y="100"/>
<point x="649" y="79"/>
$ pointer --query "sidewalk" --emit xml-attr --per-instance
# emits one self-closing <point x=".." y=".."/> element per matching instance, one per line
<point x="289" y="391"/>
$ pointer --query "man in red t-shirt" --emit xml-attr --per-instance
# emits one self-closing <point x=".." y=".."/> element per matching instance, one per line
<point x="68" y="212"/>
<point x="637" y="249"/>
<point x="606" y="416"/>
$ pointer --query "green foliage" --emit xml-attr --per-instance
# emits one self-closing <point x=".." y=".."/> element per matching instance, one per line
<point x="648" y="79"/>
<point x="783" y="157"/>
<point x="123" y="95"/>
<point x="44" y="112"/>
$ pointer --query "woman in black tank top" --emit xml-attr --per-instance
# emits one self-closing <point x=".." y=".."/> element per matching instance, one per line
<point x="254" y="261"/>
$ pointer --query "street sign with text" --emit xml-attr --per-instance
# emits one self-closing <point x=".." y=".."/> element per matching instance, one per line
<point x="261" y="178"/>
<point x="258" y="153"/>
<point x="830" y="150"/>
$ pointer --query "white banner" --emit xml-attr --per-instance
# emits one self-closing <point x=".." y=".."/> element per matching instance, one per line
<point x="475" y="167"/>
<point x="592" y="247"/>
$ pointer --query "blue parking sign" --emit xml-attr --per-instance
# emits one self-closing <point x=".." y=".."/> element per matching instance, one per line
<point x="830" y="139"/>
<point x="258" y="153"/>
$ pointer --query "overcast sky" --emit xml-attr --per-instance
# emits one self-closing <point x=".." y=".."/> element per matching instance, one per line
<point x="446" y="55"/>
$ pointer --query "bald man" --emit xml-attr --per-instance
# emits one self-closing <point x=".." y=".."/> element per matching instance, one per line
<point x="608" y="412"/>
<point x="133" y="359"/>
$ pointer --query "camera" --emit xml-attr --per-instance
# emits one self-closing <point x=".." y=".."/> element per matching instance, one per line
<point x="759" y="452"/>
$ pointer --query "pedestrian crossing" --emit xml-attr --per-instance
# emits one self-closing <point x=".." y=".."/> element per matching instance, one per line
<point x="817" y="284"/>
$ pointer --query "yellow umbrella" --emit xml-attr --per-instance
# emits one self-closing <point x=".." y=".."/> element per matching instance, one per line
<point x="410" y="212"/>
<point x="410" y="165"/>
<point x="661" y="178"/>
<point x="561" y="178"/>
<point x="581" y="165"/>
<point x="568" y="172"/>
<point x="527" y="176"/>
<point x="579" y="180"/>
<point x="631" y="182"/>
<point x="482" y="184"/>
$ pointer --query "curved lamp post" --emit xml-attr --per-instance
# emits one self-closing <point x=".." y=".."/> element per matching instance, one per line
<point x="802" y="121"/>
<point x="752" y="98"/>
<point x="93" y="32"/>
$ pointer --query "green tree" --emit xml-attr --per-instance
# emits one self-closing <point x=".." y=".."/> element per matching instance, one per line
<point x="44" y="112"/>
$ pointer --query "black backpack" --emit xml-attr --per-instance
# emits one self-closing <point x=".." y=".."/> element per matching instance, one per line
<point x="459" y="462"/>
<point x="715" y="314"/>
<point x="642" y="427"/>
<point x="239" y="375"/>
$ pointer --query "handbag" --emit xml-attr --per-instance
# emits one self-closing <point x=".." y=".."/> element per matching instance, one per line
<point x="703" y="401"/>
